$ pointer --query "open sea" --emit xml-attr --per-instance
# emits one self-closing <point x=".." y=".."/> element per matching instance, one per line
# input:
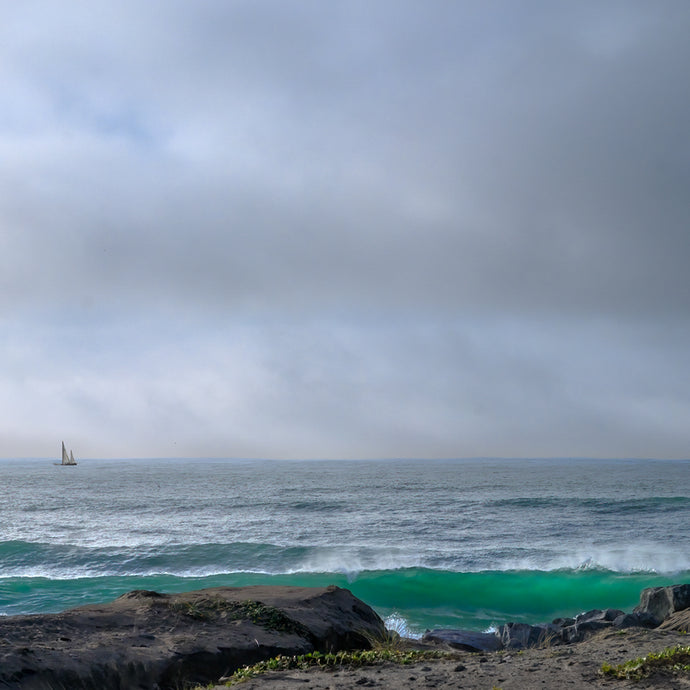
<point x="457" y="543"/>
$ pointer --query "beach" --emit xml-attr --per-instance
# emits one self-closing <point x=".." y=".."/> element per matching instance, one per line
<point x="282" y="637"/>
<point x="575" y="667"/>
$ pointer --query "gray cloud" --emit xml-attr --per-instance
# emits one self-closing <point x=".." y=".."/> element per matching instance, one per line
<point x="345" y="229"/>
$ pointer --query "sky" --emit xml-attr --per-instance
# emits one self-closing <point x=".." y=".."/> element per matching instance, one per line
<point x="345" y="229"/>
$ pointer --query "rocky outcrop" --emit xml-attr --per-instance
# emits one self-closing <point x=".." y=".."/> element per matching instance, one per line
<point x="589" y="622"/>
<point x="658" y="603"/>
<point x="146" y="640"/>
<point x="150" y="641"/>
<point x="662" y="607"/>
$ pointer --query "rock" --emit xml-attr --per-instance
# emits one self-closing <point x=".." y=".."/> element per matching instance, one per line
<point x="661" y="602"/>
<point x="563" y="622"/>
<point x="612" y="614"/>
<point x="146" y="640"/>
<point x="464" y="639"/>
<point x="591" y="626"/>
<point x="588" y="622"/>
<point x="597" y="615"/>
<point x="634" y="620"/>
<point x="522" y="635"/>
<point x="570" y="634"/>
<point x="596" y="619"/>
<point x="680" y="620"/>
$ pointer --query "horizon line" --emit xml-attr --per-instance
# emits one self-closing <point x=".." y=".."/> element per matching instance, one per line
<point x="515" y="458"/>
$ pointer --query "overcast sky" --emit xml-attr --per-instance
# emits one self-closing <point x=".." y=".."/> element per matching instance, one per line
<point x="345" y="229"/>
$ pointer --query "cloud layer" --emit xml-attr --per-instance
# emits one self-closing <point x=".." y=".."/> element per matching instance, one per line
<point x="345" y="229"/>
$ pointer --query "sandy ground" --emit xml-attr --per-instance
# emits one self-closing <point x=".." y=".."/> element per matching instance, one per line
<point x="570" y="667"/>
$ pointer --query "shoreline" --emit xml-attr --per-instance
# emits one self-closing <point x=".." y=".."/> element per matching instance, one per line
<point x="575" y="667"/>
<point x="151" y="640"/>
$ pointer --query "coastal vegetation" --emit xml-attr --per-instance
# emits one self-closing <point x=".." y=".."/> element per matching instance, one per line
<point x="333" y="661"/>
<point x="212" y="608"/>
<point x="672" y="660"/>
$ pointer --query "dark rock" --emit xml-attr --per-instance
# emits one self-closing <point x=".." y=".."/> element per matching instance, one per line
<point x="522" y="635"/>
<point x="660" y="602"/>
<point x="612" y="614"/>
<point x="681" y="597"/>
<point x="464" y="639"/>
<point x="607" y="615"/>
<point x="577" y="628"/>
<point x="563" y="622"/>
<point x="146" y="640"/>
<point x="592" y="625"/>
<point x="634" y="620"/>
<point x="570" y="634"/>
<point x="593" y="615"/>
<point x="680" y="620"/>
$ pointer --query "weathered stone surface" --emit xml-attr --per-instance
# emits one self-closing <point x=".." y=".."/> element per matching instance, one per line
<point x="570" y="630"/>
<point x="464" y="639"/>
<point x="590" y="621"/>
<point x="145" y="640"/>
<point x="522" y="635"/>
<point x="660" y="602"/>
<point x="680" y="621"/>
<point x="681" y="597"/>
<point x="598" y="616"/>
<point x="563" y="622"/>
<point x="634" y="620"/>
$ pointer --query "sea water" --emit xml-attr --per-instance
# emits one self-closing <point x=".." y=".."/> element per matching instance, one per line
<point x="427" y="543"/>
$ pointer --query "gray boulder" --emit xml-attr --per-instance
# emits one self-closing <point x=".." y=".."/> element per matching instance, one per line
<point x="660" y="602"/>
<point x="589" y="622"/>
<point x="563" y="622"/>
<point x="523" y="635"/>
<point x="634" y="620"/>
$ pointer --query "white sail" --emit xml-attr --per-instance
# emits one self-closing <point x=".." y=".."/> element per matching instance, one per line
<point x="66" y="459"/>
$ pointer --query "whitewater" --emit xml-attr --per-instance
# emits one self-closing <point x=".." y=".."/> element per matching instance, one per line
<point x="427" y="543"/>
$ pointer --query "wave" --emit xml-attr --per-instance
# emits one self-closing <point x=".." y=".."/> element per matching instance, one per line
<point x="69" y="561"/>
<point x="421" y="598"/>
<point x="650" y="504"/>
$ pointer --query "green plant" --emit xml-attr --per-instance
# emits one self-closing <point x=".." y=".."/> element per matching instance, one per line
<point x="350" y="659"/>
<point x="217" y="608"/>
<point x="673" y="660"/>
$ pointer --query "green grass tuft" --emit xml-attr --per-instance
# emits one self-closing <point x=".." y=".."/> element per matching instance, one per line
<point x="217" y="608"/>
<point x="673" y="660"/>
<point x="350" y="659"/>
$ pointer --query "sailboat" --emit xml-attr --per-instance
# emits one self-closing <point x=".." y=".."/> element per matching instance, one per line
<point x="66" y="459"/>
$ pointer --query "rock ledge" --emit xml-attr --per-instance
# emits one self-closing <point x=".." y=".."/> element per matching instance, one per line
<point x="150" y="641"/>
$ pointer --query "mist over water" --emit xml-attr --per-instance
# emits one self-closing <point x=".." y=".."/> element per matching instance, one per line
<point x="464" y="542"/>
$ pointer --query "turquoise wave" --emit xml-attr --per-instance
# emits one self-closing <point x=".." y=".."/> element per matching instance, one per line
<point x="421" y="598"/>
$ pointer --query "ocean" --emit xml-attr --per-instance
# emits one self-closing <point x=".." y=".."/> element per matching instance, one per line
<point x="427" y="543"/>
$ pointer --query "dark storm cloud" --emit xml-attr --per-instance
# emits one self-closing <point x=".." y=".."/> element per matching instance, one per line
<point x="434" y="227"/>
